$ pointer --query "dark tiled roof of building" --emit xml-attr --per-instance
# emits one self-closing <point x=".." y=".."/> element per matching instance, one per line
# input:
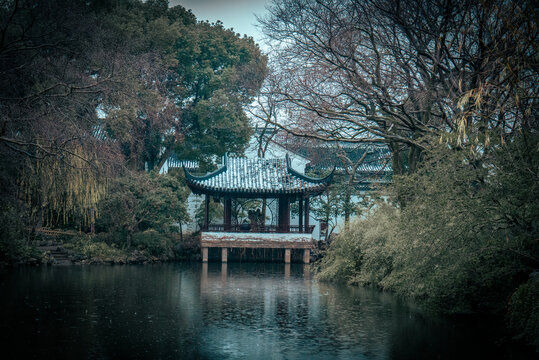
<point x="378" y="166"/>
<point x="256" y="177"/>
<point x="324" y="155"/>
<point x="191" y="165"/>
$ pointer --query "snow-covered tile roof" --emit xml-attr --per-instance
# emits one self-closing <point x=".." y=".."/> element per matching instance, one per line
<point x="255" y="176"/>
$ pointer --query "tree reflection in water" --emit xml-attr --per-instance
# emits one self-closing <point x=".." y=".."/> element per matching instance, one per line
<point x="214" y="310"/>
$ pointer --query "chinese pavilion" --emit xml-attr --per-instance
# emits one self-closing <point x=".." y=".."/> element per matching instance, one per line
<point x="253" y="191"/>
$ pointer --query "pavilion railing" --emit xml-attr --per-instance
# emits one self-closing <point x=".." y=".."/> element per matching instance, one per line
<point x="258" y="229"/>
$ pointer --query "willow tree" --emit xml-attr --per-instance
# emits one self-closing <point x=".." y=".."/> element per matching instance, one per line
<point x="65" y="192"/>
<point x="90" y="88"/>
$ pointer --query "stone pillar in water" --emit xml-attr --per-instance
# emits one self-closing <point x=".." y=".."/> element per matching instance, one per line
<point x="224" y="255"/>
<point x="204" y="276"/>
<point x="204" y="254"/>
<point x="307" y="256"/>
<point x="287" y="256"/>
<point x="307" y="271"/>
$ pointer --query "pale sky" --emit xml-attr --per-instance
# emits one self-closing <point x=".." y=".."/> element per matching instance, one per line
<point x="236" y="14"/>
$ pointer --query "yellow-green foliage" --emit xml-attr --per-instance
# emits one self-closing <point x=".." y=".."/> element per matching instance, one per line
<point x="378" y="245"/>
<point x="363" y="254"/>
<point x="464" y="237"/>
<point x="343" y="259"/>
<point x="98" y="251"/>
<point x="66" y="190"/>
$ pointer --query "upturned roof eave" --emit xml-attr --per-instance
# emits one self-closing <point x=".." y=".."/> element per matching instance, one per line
<point x="191" y="177"/>
<point x="325" y="180"/>
<point x="254" y="193"/>
<point x="296" y="183"/>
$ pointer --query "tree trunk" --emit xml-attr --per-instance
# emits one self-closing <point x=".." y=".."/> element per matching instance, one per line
<point x="398" y="168"/>
<point x="181" y="232"/>
<point x="164" y="158"/>
<point x="396" y="160"/>
<point x="414" y="157"/>
<point x="347" y="204"/>
<point x="129" y="238"/>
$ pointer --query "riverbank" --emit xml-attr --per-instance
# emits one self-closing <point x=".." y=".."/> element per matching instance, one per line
<point x="147" y="248"/>
<point x="150" y="248"/>
<point x="442" y="272"/>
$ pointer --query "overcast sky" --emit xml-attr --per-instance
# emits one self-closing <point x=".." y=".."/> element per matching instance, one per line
<point x="236" y="14"/>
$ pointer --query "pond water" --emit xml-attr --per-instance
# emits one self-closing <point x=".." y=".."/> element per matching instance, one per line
<point x="219" y="311"/>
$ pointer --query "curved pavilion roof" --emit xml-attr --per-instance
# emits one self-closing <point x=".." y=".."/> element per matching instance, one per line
<point x="256" y="178"/>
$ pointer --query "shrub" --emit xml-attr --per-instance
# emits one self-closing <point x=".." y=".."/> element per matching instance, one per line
<point x="463" y="238"/>
<point x="363" y="254"/>
<point x="524" y="311"/>
<point x="13" y="245"/>
<point x="155" y="243"/>
<point x="96" y="250"/>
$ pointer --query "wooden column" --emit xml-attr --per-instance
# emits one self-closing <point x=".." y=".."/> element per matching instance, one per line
<point x="204" y="254"/>
<point x="287" y="215"/>
<point x="264" y="205"/>
<point x="280" y="215"/>
<point x="287" y="256"/>
<point x="228" y="213"/>
<point x="300" y="214"/>
<point x="206" y="212"/>
<point x="306" y="210"/>
<point x="284" y="214"/>
<point x="224" y="255"/>
<point x="307" y="256"/>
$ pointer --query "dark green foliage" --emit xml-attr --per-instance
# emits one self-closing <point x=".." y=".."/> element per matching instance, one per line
<point x="148" y="246"/>
<point x="196" y="78"/>
<point x="219" y="73"/>
<point x="155" y="243"/>
<point x="116" y="238"/>
<point x="524" y="311"/>
<point x="13" y="240"/>
<point x="142" y="201"/>
<point x="467" y="237"/>
<point x="93" y="93"/>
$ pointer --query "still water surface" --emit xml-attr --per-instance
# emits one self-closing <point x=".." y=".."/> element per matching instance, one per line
<point x="234" y="311"/>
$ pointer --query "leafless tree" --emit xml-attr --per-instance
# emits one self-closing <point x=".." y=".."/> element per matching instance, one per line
<point x="404" y="72"/>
